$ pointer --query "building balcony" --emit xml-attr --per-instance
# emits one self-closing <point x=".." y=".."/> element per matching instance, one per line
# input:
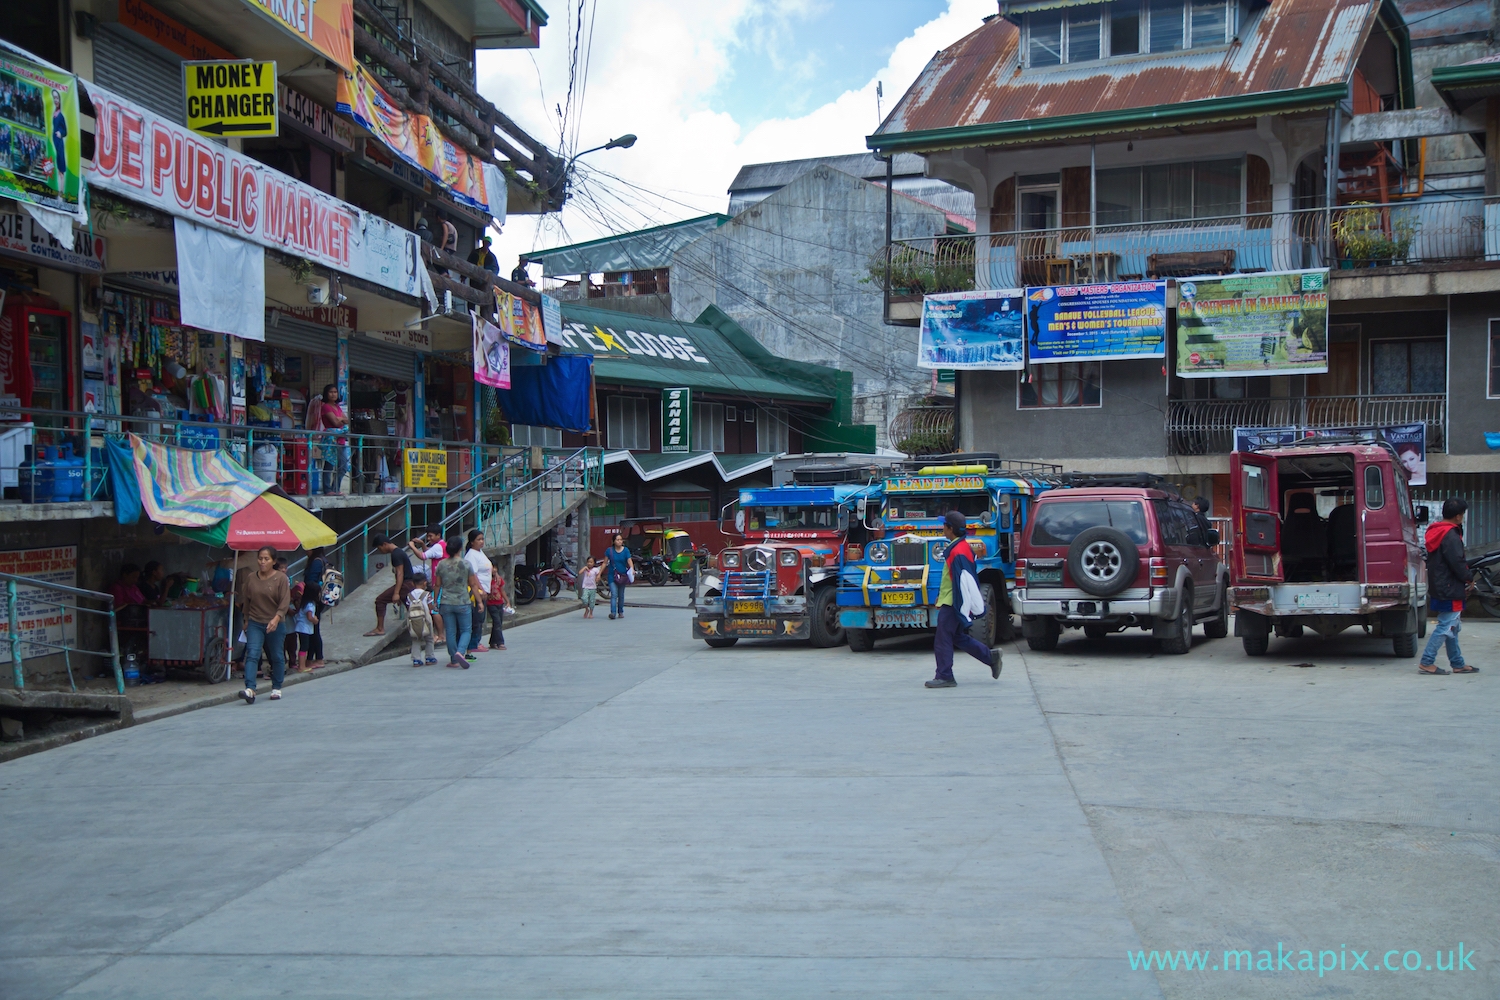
<point x="1206" y="426"/>
<point x="1436" y="232"/>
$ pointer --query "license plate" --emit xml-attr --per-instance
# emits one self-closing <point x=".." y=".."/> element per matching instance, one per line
<point x="1044" y="577"/>
<point x="748" y="608"/>
<point x="898" y="597"/>
<point x="886" y="619"/>
<point x="1317" y="600"/>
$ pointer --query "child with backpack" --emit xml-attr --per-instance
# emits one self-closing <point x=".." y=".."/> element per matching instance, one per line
<point x="419" y="621"/>
<point x="304" y="625"/>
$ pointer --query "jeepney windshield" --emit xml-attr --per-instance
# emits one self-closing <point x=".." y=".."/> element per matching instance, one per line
<point x="791" y="518"/>
<point x="904" y="505"/>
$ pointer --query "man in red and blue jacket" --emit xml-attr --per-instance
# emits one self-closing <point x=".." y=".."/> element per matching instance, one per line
<point x="959" y="602"/>
<point x="1449" y="581"/>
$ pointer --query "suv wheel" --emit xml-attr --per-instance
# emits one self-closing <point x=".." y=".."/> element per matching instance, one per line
<point x="1103" y="561"/>
<point x="1218" y="626"/>
<point x="1042" y="643"/>
<point x="1180" y="639"/>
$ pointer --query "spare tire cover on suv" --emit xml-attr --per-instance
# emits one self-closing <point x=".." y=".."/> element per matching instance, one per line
<point x="1103" y="561"/>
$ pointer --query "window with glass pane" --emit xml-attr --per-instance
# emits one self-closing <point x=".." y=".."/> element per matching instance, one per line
<point x="1208" y="22"/>
<point x="1401" y="367"/>
<point x="1168" y="191"/>
<point x="526" y="435"/>
<point x="1216" y="189"/>
<point x="1072" y="384"/>
<point x="629" y="424"/>
<point x="1044" y="30"/>
<point x="1494" y="359"/>
<point x="1164" y="24"/>
<point x="708" y="427"/>
<point x="1124" y="27"/>
<point x="1083" y="33"/>
<point x="1119" y="195"/>
<point x="771" y="432"/>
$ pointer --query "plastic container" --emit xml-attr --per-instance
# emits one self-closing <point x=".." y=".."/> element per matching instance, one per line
<point x="131" y="668"/>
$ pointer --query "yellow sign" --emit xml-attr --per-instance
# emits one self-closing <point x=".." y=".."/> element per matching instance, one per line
<point x="424" y="468"/>
<point x="231" y="98"/>
<point x="932" y="484"/>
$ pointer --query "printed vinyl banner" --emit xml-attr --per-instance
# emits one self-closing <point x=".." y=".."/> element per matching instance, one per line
<point x="1113" y="322"/>
<point x="150" y="159"/>
<point x="980" y="330"/>
<point x="416" y="139"/>
<point x="37" y="620"/>
<point x="520" y="321"/>
<point x="326" y="25"/>
<point x="1409" y="440"/>
<point x="491" y="355"/>
<point x="39" y="135"/>
<point x="1253" y="324"/>
<point x="676" y="420"/>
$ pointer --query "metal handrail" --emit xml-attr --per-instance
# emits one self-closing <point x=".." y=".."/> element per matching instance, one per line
<point x="13" y="584"/>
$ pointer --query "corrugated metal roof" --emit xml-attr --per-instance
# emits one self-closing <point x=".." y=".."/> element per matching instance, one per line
<point x="1443" y="19"/>
<point x="1289" y="46"/>
<point x="753" y="176"/>
<point x="636" y="251"/>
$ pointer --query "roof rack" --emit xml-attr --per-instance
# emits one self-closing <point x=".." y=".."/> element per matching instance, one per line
<point x="834" y="475"/>
<point x="988" y="459"/>
<point x="1128" y="480"/>
<point x="1372" y="436"/>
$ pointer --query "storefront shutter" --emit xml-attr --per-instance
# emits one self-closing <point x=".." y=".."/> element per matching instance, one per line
<point x="293" y="334"/>
<point x="126" y="64"/>
<point x="370" y="358"/>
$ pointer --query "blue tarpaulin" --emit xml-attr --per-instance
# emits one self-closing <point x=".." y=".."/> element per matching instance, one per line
<point x="553" y="395"/>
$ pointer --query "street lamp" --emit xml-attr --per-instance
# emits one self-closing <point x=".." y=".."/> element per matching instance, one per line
<point x="623" y="142"/>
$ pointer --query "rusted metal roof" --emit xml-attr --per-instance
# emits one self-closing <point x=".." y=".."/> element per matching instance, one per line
<point x="1445" y="19"/>
<point x="1291" y="51"/>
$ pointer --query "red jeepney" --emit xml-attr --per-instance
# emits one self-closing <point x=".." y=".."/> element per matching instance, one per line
<point x="1325" y="538"/>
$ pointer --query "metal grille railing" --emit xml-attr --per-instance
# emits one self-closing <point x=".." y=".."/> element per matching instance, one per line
<point x="1430" y="230"/>
<point x="1206" y="426"/>
<point x="923" y="430"/>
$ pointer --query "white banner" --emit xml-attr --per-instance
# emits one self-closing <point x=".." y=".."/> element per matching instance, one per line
<point x="221" y="281"/>
<point x="154" y="161"/>
<point x="37" y="620"/>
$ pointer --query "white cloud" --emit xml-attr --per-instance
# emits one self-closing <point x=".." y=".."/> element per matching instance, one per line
<point x="654" y="64"/>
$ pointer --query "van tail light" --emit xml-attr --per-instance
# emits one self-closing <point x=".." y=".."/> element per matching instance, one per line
<point x="1158" y="572"/>
<point x="1020" y="573"/>
<point x="854" y="553"/>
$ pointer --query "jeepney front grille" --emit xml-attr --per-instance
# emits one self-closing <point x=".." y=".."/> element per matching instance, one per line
<point x="744" y="585"/>
<point x="909" y="554"/>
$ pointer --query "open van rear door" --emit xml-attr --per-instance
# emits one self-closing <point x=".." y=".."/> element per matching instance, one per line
<point x="1255" y="506"/>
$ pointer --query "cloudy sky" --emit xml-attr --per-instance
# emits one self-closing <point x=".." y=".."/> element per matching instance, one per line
<point x="708" y="87"/>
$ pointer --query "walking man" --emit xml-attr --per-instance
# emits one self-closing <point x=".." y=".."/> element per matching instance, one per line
<point x="1449" y="581"/>
<point x="959" y="603"/>
<point x="617" y="566"/>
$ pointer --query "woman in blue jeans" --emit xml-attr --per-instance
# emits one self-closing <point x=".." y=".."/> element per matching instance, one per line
<point x="265" y="597"/>
<point x="617" y="567"/>
<point x="457" y="586"/>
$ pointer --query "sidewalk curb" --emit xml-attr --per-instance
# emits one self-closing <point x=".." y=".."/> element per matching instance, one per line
<point x="227" y="692"/>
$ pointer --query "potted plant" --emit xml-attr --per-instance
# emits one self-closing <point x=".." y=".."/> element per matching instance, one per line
<point x="1366" y="240"/>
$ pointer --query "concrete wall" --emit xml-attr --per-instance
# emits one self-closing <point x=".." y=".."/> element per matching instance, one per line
<point x="1470" y="413"/>
<point x="793" y="270"/>
<point x="1130" y="423"/>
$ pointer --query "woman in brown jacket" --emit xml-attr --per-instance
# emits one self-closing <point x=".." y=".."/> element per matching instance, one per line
<point x="265" y="596"/>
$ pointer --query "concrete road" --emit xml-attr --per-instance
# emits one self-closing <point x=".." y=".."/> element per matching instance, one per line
<point x="611" y="809"/>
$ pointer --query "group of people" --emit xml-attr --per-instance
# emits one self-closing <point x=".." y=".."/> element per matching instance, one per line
<point x="448" y="600"/>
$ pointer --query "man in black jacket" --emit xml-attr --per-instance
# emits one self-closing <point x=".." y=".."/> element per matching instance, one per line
<point x="1448" y="584"/>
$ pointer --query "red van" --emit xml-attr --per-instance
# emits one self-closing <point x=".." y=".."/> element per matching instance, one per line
<point x="1325" y="538"/>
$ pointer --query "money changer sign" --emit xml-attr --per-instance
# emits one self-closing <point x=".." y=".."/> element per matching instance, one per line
<point x="676" y="420"/>
<point x="231" y="98"/>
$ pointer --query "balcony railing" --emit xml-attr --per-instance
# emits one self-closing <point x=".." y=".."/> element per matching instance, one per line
<point x="299" y="461"/>
<point x="922" y="430"/>
<point x="1433" y="230"/>
<point x="1206" y="426"/>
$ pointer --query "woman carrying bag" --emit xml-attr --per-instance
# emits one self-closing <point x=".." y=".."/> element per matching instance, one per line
<point x="457" y="586"/>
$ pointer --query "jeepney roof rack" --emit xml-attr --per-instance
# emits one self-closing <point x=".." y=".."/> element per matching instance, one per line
<point x="1127" y="480"/>
<point x="835" y="475"/>
<point x="1373" y="436"/>
<point x="989" y="459"/>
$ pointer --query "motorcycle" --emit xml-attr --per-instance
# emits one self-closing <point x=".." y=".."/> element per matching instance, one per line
<point x="556" y="577"/>
<point x="524" y="583"/>
<point x="1486" y="570"/>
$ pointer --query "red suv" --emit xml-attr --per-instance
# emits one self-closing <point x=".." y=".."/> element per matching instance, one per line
<point x="1108" y="558"/>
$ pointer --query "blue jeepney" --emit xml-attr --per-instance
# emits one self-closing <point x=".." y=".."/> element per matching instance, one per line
<point x="890" y="586"/>
<point x="780" y="581"/>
